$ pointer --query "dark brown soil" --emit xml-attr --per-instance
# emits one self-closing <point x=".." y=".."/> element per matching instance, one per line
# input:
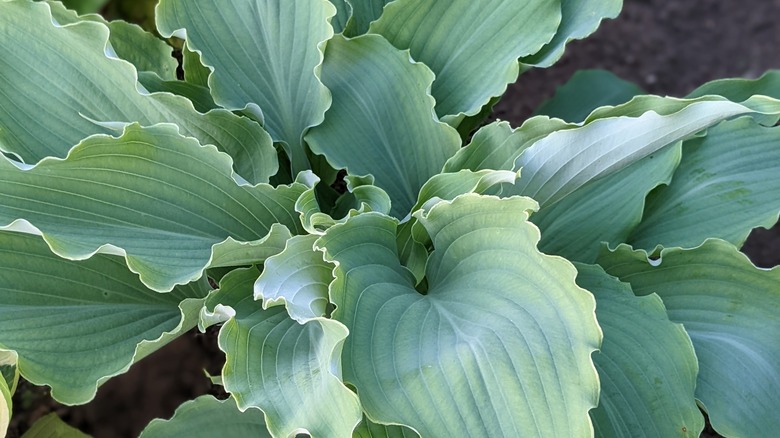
<point x="667" y="47"/>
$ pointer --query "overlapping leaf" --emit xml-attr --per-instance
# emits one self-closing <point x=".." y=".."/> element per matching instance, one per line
<point x="472" y="65"/>
<point x="343" y="14"/>
<point x="423" y="360"/>
<point x="497" y="145"/>
<point x="647" y="366"/>
<point x="289" y="370"/>
<point x="381" y="120"/>
<point x="157" y="197"/>
<point x="106" y="95"/>
<point x="263" y="53"/>
<point x="75" y="324"/>
<point x="128" y="41"/>
<point x="560" y="163"/>
<point x="194" y="71"/>
<point x="298" y="277"/>
<point x="412" y="241"/>
<point x="207" y="417"/>
<point x="199" y="96"/>
<point x="364" y="12"/>
<point x="729" y="308"/>
<point x="578" y="20"/>
<point x="726" y="185"/>
<point x="604" y="210"/>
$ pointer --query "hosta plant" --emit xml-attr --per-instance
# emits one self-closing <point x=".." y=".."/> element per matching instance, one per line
<point x="315" y="186"/>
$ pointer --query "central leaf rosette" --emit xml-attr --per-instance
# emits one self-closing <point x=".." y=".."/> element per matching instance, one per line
<point x="498" y="346"/>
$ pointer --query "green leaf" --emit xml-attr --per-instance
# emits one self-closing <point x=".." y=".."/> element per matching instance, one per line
<point x="387" y="131"/>
<point x="6" y="407"/>
<point x="136" y="196"/>
<point x="263" y="53"/>
<point x="199" y="96"/>
<point x="364" y="12"/>
<point x="739" y="90"/>
<point x="586" y="91"/>
<point x="497" y="145"/>
<point x="76" y="324"/>
<point x="343" y="14"/>
<point x="51" y="426"/>
<point x="729" y="308"/>
<point x="560" y="163"/>
<point x="361" y="196"/>
<point x="646" y="364"/>
<point x="207" y="417"/>
<point x="289" y="370"/>
<point x="194" y="71"/>
<point x="579" y="19"/>
<point x="726" y="185"/>
<point x="430" y="361"/>
<point x="61" y="56"/>
<point x="85" y="6"/>
<point x="297" y="278"/>
<point x="9" y="376"/>
<point x="232" y="253"/>
<point x="412" y="250"/>
<point x="128" y="41"/>
<point x="369" y="429"/>
<point x="604" y="210"/>
<point x="471" y="65"/>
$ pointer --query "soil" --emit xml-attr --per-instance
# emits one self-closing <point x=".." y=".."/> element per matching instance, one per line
<point x="666" y="47"/>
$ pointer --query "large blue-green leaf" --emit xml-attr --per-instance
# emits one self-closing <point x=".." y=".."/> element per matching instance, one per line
<point x="585" y="91"/>
<point x="75" y="324"/>
<point x="471" y="45"/>
<point x="207" y="417"/>
<point x="647" y="366"/>
<point x="499" y="321"/>
<point x="158" y="198"/>
<point x="604" y="210"/>
<point x="729" y="308"/>
<point x="263" y="53"/>
<point x="579" y="19"/>
<point x="289" y="370"/>
<point x="726" y="185"/>
<point x="106" y="95"/>
<point x="381" y="120"/>
<point x="565" y="160"/>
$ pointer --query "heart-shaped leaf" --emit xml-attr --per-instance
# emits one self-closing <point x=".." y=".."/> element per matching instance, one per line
<point x="499" y="321"/>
